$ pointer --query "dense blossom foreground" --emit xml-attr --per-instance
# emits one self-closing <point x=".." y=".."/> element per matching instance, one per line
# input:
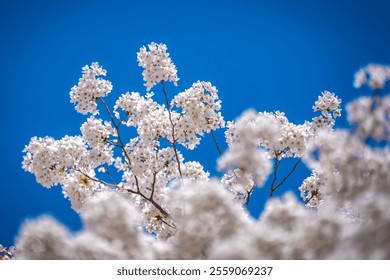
<point x="139" y="198"/>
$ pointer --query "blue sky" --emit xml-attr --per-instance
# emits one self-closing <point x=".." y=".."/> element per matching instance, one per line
<point x="266" y="55"/>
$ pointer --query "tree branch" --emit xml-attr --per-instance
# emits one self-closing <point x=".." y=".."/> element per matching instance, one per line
<point x="216" y="143"/>
<point x="273" y="186"/>
<point x="173" y="129"/>
<point x="122" y="147"/>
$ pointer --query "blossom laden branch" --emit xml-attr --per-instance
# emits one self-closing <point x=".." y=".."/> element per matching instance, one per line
<point x="174" y="140"/>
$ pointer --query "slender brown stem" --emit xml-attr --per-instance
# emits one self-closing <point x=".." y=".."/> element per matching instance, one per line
<point x="216" y="143"/>
<point x="122" y="147"/>
<point x="174" y="140"/>
<point x="95" y="179"/>
<point x="153" y="185"/>
<point x="109" y="175"/>
<point x="276" y="166"/>
<point x="273" y="186"/>
<point x="248" y="197"/>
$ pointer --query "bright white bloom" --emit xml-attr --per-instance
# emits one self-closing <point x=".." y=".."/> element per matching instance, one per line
<point x="150" y="118"/>
<point x="282" y="138"/>
<point x="89" y="89"/>
<point x="311" y="189"/>
<point x="95" y="132"/>
<point x="193" y="170"/>
<point x="157" y="65"/>
<point x="97" y="135"/>
<point x="329" y="106"/>
<point x="373" y="75"/>
<point x="50" y="159"/>
<point x="274" y="132"/>
<point x="79" y="188"/>
<point x="135" y="106"/>
<point x="371" y="115"/>
<point x="200" y="112"/>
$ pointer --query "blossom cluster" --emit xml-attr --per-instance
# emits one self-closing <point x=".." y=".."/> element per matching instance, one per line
<point x="311" y="189"/>
<point x="281" y="138"/>
<point x="329" y="105"/>
<point x="157" y="65"/>
<point x="49" y="159"/>
<point x="97" y="135"/>
<point x="200" y="112"/>
<point x="67" y="162"/>
<point x="373" y="75"/>
<point x="89" y="89"/>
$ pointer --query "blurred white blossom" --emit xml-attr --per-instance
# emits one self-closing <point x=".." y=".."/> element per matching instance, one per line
<point x="373" y="75"/>
<point x="371" y="116"/>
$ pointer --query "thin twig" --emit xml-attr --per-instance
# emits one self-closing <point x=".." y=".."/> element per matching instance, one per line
<point x="109" y="175"/>
<point x="174" y="140"/>
<point x="248" y="197"/>
<point x="276" y="166"/>
<point x="273" y="187"/>
<point x="122" y="147"/>
<point x="95" y="179"/>
<point x="153" y="185"/>
<point x="216" y="143"/>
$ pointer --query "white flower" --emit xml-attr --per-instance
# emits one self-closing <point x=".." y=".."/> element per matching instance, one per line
<point x="89" y="89"/>
<point x="49" y="159"/>
<point x="97" y="135"/>
<point x="330" y="107"/>
<point x="311" y="189"/>
<point x="157" y="65"/>
<point x="200" y="112"/>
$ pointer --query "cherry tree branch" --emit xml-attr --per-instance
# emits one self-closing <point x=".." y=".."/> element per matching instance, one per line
<point x="277" y="163"/>
<point x="95" y="179"/>
<point x="123" y="148"/>
<point x="216" y="143"/>
<point x="174" y="140"/>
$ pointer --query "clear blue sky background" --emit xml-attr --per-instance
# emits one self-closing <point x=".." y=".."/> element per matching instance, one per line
<point x="267" y="55"/>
